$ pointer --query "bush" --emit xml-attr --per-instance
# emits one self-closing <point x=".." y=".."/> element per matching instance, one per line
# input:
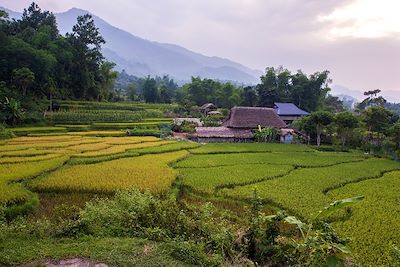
<point x="211" y="121"/>
<point x="184" y="127"/>
<point x="5" y="133"/>
<point x="267" y="135"/>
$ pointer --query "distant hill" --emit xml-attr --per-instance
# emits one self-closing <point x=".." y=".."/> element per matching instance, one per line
<point x="142" y="57"/>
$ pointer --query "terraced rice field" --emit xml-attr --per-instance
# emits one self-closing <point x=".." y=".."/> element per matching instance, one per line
<point x="55" y="163"/>
<point x="296" y="178"/>
<point x="302" y="181"/>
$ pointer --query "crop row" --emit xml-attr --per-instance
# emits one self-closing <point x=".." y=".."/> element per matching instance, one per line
<point x="303" y="189"/>
<point x="116" y="149"/>
<point x="303" y="159"/>
<point x="215" y="148"/>
<point x="148" y="172"/>
<point x="83" y="116"/>
<point x="10" y="192"/>
<point x="375" y="222"/>
<point x="68" y="104"/>
<point x="128" y="125"/>
<point x="170" y="147"/>
<point x="209" y="179"/>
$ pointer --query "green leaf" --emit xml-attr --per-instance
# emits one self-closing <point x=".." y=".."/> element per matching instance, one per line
<point x="337" y="205"/>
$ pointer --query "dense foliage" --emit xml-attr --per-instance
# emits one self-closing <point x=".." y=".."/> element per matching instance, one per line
<point x="39" y="63"/>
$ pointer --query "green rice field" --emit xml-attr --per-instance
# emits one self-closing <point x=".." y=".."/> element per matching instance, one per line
<point x="295" y="178"/>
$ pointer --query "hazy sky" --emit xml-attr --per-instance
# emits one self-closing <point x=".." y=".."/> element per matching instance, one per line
<point x="357" y="40"/>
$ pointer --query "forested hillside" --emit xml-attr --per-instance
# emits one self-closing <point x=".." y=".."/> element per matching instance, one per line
<point x="38" y="62"/>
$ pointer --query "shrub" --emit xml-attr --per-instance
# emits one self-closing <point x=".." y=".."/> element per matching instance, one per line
<point x="5" y="133"/>
<point x="267" y="135"/>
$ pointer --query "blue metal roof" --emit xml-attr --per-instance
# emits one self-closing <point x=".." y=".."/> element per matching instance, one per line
<point x="289" y="109"/>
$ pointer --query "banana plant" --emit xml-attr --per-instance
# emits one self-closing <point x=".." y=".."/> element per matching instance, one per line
<point x="314" y="238"/>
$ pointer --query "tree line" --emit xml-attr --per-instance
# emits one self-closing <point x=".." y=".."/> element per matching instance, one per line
<point x="309" y="92"/>
<point x="37" y="62"/>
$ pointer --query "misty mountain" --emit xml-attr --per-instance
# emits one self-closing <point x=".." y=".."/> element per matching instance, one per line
<point x="142" y="57"/>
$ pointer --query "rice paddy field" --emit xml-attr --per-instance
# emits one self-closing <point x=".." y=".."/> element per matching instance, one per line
<point x="296" y="178"/>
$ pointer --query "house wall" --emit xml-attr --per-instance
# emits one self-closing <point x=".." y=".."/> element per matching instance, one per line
<point x="222" y="140"/>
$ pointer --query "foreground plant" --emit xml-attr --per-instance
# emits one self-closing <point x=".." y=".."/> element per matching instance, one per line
<point x="317" y="244"/>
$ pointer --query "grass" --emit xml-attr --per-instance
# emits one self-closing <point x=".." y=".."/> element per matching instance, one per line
<point x="16" y="250"/>
<point x="148" y="172"/>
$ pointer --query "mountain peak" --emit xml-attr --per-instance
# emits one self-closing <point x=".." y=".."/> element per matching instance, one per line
<point x="76" y="11"/>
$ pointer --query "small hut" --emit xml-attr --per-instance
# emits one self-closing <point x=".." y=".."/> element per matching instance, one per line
<point x="208" y="107"/>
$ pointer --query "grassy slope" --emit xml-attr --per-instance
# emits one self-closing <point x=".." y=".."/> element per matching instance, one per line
<point x="15" y="250"/>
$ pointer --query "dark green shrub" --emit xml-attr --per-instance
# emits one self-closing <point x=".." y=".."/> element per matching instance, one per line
<point x="5" y="133"/>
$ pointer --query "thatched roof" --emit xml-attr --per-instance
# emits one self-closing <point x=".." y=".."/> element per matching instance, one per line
<point x="251" y="117"/>
<point x="208" y="106"/>
<point x="223" y="132"/>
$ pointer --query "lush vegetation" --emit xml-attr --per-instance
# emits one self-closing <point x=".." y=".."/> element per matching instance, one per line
<point x="296" y="178"/>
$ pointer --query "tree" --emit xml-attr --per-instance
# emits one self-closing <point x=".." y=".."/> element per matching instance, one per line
<point x="164" y="94"/>
<point x="268" y="88"/>
<point x="150" y="93"/>
<point x="11" y="111"/>
<point x="23" y="78"/>
<point x="394" y="132"/>
<point x="249" y="96"/>
<point x="376" y="118"/>
<point x="107" y="79"/>
<point x="86" y="42"/>
<point x="345" y="122"/>
<point x="132" y="94"/>
<point x="34" y="19"/>
<point x="320" y="119"/>
<point x="371" y="100"/>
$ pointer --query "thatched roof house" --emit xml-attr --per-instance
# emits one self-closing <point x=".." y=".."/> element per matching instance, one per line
<point x="252" y="117"/>
<point x="238" y="127"/>
<point x="207" y="107"/>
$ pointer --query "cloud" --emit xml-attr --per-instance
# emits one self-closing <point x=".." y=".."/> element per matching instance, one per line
<point x="312" y="35"/>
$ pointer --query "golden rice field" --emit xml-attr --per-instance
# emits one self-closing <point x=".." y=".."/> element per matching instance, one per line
<point x="148" y="172"/>
<point x="296" y="178"/>
<point x="42" y="163"/>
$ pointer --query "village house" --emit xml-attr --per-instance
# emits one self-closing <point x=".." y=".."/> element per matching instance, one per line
<point x="207" y="108"/>
<point x="240" y="124"/>
<point x="289" y="112"/>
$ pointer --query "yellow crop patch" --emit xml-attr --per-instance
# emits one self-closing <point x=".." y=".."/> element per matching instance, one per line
<point x="129" y="140"/>
<point x="122" y="148"/>
<point x="20" y="171"/>
<point x="149" y="172"/>
<point x="6" y="160"/>
<point x="88" y="147"/>
<point x="25" y="153"/>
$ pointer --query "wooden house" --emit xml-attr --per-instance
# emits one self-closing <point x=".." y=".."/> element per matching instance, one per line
<point x="289" y="111"/>
<point x="240" y="124"/>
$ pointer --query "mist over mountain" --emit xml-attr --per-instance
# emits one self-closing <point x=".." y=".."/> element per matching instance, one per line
<point x="142" y="57"/>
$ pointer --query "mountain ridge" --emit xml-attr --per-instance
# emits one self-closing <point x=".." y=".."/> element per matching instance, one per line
<point x="143" y="57"/>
